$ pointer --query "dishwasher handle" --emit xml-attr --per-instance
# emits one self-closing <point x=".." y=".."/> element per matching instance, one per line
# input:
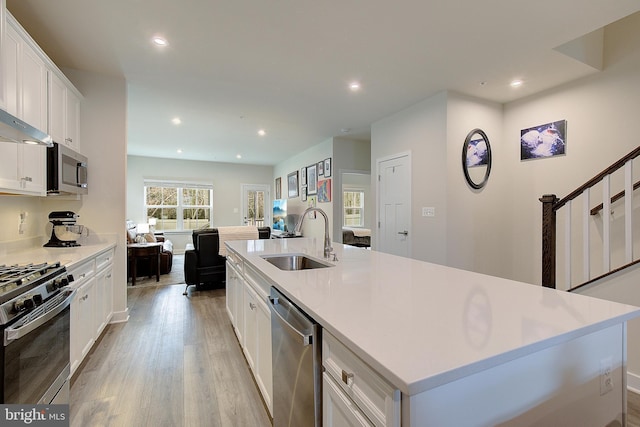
<point x="305" y="339"/>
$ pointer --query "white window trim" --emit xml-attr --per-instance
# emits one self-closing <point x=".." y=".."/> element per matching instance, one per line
<point x="353" y="190"/>
<point x="180" y="206"/>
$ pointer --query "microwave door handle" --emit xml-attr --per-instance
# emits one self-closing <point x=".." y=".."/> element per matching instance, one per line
<point x="78" y="166"/>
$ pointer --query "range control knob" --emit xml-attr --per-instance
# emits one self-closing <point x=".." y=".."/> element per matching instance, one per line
<point x="37" y="299"/>
<point x="19" y="305"/>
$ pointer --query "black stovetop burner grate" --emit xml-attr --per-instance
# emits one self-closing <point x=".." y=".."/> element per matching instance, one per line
<point x="13" y="276"/>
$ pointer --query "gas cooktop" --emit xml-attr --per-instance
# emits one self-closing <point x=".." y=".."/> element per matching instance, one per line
<point x="17" y="279"/>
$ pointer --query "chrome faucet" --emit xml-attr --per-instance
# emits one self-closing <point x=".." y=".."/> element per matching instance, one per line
<point x="327" y="242"/>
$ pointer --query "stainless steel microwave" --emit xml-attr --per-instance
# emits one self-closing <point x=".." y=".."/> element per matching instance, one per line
<point x="66" y="171"/>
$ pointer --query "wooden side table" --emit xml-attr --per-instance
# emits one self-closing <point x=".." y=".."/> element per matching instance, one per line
<point x="149" y="251"/>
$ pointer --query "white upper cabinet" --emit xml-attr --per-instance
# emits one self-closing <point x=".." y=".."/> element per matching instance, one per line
<point x="33" y="89"/>
<point x="64" y="112"/>
<point x="25" y="82"/>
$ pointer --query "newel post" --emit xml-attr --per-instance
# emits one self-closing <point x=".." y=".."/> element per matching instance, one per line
<point x="548" y="240"/>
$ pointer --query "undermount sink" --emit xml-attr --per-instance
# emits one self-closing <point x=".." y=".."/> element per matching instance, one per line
<point x="294" y="262"/>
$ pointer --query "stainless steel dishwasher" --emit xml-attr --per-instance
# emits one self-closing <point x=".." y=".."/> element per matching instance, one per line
<point x="297" y="365"/>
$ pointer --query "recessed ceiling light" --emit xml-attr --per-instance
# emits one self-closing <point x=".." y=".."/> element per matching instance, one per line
<point x="262" y="132"/>
<point x="179" y="151"/>
<point x="159" y="41"/>
<point x="354" y="86"/>
<point x="176" y="120"/>
<point x="345" y="130"/>
<point x="516" y="83"/>
<point x="238" y="156"/>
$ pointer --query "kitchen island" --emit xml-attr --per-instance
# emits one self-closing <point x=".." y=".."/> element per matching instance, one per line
<point x="462" y="348"/>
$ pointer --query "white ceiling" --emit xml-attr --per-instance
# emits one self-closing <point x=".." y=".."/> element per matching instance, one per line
<point x="235" y="66"/>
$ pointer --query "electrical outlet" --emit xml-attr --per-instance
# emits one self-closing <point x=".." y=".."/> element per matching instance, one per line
<point x="606" y="375"/>
<point x="429" y="212"/>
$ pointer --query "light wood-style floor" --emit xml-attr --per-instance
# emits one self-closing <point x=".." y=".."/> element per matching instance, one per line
<point x="176" y="362"/>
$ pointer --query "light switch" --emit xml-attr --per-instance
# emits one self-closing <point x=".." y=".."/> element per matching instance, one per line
<point x="429" y="211"/>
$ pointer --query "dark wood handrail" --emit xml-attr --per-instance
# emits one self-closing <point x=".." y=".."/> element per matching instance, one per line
<point x="615" y="198"/>
<point x="593" y="181"/>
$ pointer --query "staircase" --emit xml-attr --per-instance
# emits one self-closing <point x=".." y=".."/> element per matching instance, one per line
<point x="596" y="228"/>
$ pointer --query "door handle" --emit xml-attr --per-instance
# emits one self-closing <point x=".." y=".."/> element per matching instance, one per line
<point x="404" y="233"/>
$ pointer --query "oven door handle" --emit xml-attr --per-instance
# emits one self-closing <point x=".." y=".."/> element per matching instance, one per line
<point x="11" y="334"/>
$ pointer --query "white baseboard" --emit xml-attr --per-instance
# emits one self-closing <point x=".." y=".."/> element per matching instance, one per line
<point x="633" y="382"/>
<point x="120" y="316"/>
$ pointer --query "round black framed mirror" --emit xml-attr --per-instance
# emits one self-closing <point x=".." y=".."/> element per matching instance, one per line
<point x="476" y="158"/>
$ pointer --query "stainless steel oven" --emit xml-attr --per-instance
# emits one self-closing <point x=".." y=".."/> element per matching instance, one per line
<point x="35" y="314"/>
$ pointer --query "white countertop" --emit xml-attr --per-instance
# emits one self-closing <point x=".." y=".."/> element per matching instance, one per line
<point x="421" y="325"/>
<point x="67" y="256"/>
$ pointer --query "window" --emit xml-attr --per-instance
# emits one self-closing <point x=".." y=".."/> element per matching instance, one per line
<point x="353" y="206"/>
<point x="178" y="206"/>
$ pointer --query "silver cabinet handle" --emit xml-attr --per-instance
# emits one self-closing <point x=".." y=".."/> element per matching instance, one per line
<point x="346" y="376"/>
<point x="404" y="233"/>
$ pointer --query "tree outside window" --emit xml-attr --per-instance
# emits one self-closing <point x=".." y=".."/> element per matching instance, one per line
<point x="179" y="207"/>
<point x="353" y="205"/>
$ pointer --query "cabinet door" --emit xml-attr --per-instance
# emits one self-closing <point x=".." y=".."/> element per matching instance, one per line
<point x="2" y="30"/>
<point x="34" y="88"/>
<point x="230" y="293"/>
<point x="98" y="319"/>
<point x="72" y="121"/>
<point x="85" y="315"/>
<point x="338" y="410"/>
<point x="239" y="315"/>
<point x="10" y="57"/>
<point x="57" y="108"/>
<point x="250" y="327"/>
<point x="264" y="370"/>
<point x="9" y="166"/>
<point x="75" y="347"/>
<point x="107" y="306"/>
<point x="32" y="167"/>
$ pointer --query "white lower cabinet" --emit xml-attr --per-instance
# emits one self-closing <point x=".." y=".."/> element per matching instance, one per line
<point x="353" y="393"/>
<point x="92" y="306"/>
<point x="251" y="320"/>
<point x="337" y="409"/>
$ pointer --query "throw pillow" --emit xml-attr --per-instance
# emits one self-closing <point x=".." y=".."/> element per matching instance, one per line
<point x="150" y="238"/>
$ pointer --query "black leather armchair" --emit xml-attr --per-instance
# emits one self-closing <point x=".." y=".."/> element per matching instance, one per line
<point x="203" y="264"/>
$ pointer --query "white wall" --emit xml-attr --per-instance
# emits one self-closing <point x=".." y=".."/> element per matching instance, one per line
<point x="350" y="155"/>
<point x="601" y="113"/>
<point x="295" y="206"/>
<point x="226" y="178"/>
<point x="420" y="129"/>
<point x="103" y="131"/>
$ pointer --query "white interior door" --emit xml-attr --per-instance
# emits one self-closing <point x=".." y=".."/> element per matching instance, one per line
<point x="256" y="205"/>
<point x="394" y="205"/>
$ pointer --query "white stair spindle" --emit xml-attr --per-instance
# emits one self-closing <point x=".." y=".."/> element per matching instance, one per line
<point x="586" y="235"/>
<point x="567" y="245"/>
<point x="628" y="211"/>
<point x="606" y="225"/>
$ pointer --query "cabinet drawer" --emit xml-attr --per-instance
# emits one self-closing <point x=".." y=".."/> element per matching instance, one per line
<point x="235" y="260"/>
<point x="104" y="259"/>
<point x="81" y="273"/>
<point x="257" y="282"/>
<point x="375" y="397"/>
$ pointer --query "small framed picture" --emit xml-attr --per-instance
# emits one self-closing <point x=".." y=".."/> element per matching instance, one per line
<point x="278" y="188"/>
<point x="321" y="168"/>
<point x="303" y="176"/>
<point x="312" y="179"/>
<point x="303" y="195"/>
<point x="292" y="184"/>
<point x="327" y="167"/>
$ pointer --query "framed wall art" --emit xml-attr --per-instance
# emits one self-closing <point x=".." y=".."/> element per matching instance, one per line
<point x="312" y="179"/>
<point x="278" y="188"/>
<point x="547" y="140"/>
<point x="476" y="158"/>
<point x="324" y="190"/>
<point x="321" y="168"/>
<point x="327" y="167"/>
<point x="303" y="176"/>
<point x="303" y="193"/>
<point x="292" y="184"/>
